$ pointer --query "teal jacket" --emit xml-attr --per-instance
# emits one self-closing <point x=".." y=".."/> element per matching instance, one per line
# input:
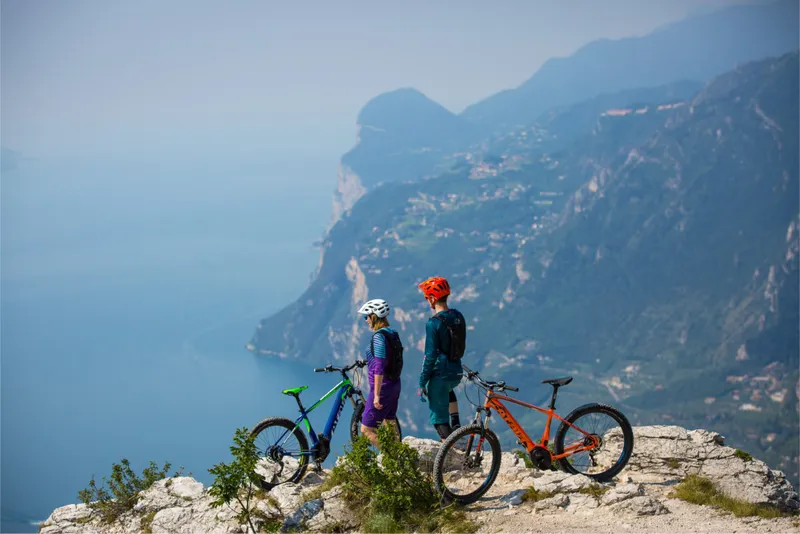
<point x="437" y="345"/>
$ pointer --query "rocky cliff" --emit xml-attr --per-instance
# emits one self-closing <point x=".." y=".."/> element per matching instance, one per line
<point x="639" y="499"/>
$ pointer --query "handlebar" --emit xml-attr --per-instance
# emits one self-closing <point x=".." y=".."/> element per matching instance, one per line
<point x="488" y="384"/>
<point x="332" y="369"/>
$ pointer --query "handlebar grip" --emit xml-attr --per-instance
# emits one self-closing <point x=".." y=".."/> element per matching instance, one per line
<point x="512" y="388"/>
<point x="319" y="370"/>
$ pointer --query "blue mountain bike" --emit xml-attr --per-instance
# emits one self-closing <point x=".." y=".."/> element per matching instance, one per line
<point x="283" y="447"/>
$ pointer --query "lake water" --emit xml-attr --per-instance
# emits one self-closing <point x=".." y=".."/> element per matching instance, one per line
<point x="128" y="295"/>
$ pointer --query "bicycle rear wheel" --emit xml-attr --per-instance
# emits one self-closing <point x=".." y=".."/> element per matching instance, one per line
<point x="467" y="464"/>
<point x="610" y="427"/>
<point x="355" y="422"/>
<point x="283" y="452"/>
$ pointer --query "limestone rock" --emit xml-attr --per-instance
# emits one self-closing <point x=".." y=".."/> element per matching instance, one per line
<point x="427" y="449"/>
<point x="671" y="453"/>
<point x="514" y="498"/>
<point x="641" y="505"/>
<point x="557" y="501"/>
<point x="288" y="496"/>
<point x="334" y="513"/>
<point x="621" y="493"/>
<point x="298" y="518"/>
<point x="559" y="482"/>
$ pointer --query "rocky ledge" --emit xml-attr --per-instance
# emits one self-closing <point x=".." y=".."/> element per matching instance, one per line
<point x="638" y="499"/>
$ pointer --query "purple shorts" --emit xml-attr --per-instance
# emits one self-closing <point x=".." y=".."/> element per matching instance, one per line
<point x="373" y="417"/>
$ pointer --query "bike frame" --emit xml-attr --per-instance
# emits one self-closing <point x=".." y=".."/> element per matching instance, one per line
<point x="494" y="401"/>
<point x="344" y="390"/>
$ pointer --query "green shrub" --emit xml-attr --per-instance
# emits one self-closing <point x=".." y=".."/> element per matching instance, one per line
<point x="746" y="456"/>
<point x="147" y="523"/>
<point x="393" y="495"/>
<point x="238" y="481"/>
<point x="120" y="493"/>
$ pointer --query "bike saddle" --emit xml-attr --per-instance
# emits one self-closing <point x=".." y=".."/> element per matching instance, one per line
<point x="558" y="381"/>
<point x="294" y="391"/>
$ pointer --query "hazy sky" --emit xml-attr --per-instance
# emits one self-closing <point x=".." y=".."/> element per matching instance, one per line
<point x="115" y="76"/>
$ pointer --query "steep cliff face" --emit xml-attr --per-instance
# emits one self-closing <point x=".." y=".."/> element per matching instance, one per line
<point x="348" y="190"/>
<point x="654" y="255"/>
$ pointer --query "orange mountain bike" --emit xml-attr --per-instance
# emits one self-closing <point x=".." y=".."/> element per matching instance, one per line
<point x="463" y="471"/>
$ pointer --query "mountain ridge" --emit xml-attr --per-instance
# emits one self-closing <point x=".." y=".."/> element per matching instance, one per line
<point x="561" y="250"/>
<point x="697" y="47"/>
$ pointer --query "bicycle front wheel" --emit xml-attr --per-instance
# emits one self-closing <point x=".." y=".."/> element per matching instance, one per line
<point x="467" y="464"/>
<point x="283" y="452"/>
<point x="611" y="430"/>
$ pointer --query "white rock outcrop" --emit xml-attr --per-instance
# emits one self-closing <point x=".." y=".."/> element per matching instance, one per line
<point x="639" y="497"/>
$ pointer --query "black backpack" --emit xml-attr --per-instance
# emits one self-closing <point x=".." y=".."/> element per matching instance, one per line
<point x="395" y="353"/>
<point x="458" y="340"/>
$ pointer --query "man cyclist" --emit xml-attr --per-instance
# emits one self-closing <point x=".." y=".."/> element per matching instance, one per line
<point x="445" y="337"/>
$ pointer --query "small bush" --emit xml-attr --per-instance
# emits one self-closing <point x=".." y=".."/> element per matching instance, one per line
<point x="147" y="523"/>
<point x="120" y="493"/>
<point x="534" y="495"/>
<point x="743" y="455"/>
<point x="698" y="490"/>
<point x="673" y="463"/>
<point x="524" y="456"/>
<point x="238" y="481"/>
<point x="393" y="495"/>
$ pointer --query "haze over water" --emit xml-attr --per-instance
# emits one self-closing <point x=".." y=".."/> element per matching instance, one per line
<point x="127" y="302"/>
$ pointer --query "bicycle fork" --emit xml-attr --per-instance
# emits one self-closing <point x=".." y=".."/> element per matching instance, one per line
<point x="484" y="426"/>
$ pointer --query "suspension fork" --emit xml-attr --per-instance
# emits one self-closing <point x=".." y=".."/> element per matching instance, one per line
<point x="483" y="424"/>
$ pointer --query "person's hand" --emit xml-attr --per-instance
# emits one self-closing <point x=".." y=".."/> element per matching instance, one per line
<point x="422" y="393"/>
<point x="377" y="404"/>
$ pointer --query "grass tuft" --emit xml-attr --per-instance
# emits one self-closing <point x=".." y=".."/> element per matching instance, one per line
<point x="534" y="495"/>
<point x="596" y="491"/>
<point x="699" y="490"/>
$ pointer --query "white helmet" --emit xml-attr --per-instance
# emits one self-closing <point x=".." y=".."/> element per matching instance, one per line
<point x="377" y="306"/>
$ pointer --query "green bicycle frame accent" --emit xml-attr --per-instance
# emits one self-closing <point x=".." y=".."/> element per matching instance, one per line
<point x="345" y="389"/>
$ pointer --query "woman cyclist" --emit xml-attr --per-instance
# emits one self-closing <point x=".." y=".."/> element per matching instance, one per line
<point x="384" y="362"/>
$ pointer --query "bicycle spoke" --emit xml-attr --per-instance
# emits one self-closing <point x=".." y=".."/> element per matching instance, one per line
<point x="597" y="459"/>
<point x="467" y="464"/>
<point x="281" y="455"/>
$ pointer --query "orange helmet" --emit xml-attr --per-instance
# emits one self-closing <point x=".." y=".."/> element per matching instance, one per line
<point x="436" y="287"/>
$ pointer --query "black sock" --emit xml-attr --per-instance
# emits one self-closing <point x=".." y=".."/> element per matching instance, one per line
<point x="454" y="420"/>
<point x="443" y="430"/>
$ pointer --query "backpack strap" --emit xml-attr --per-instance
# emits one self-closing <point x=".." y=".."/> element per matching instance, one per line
<point x="372" y="340"/>
<point x="447" y="326"/>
